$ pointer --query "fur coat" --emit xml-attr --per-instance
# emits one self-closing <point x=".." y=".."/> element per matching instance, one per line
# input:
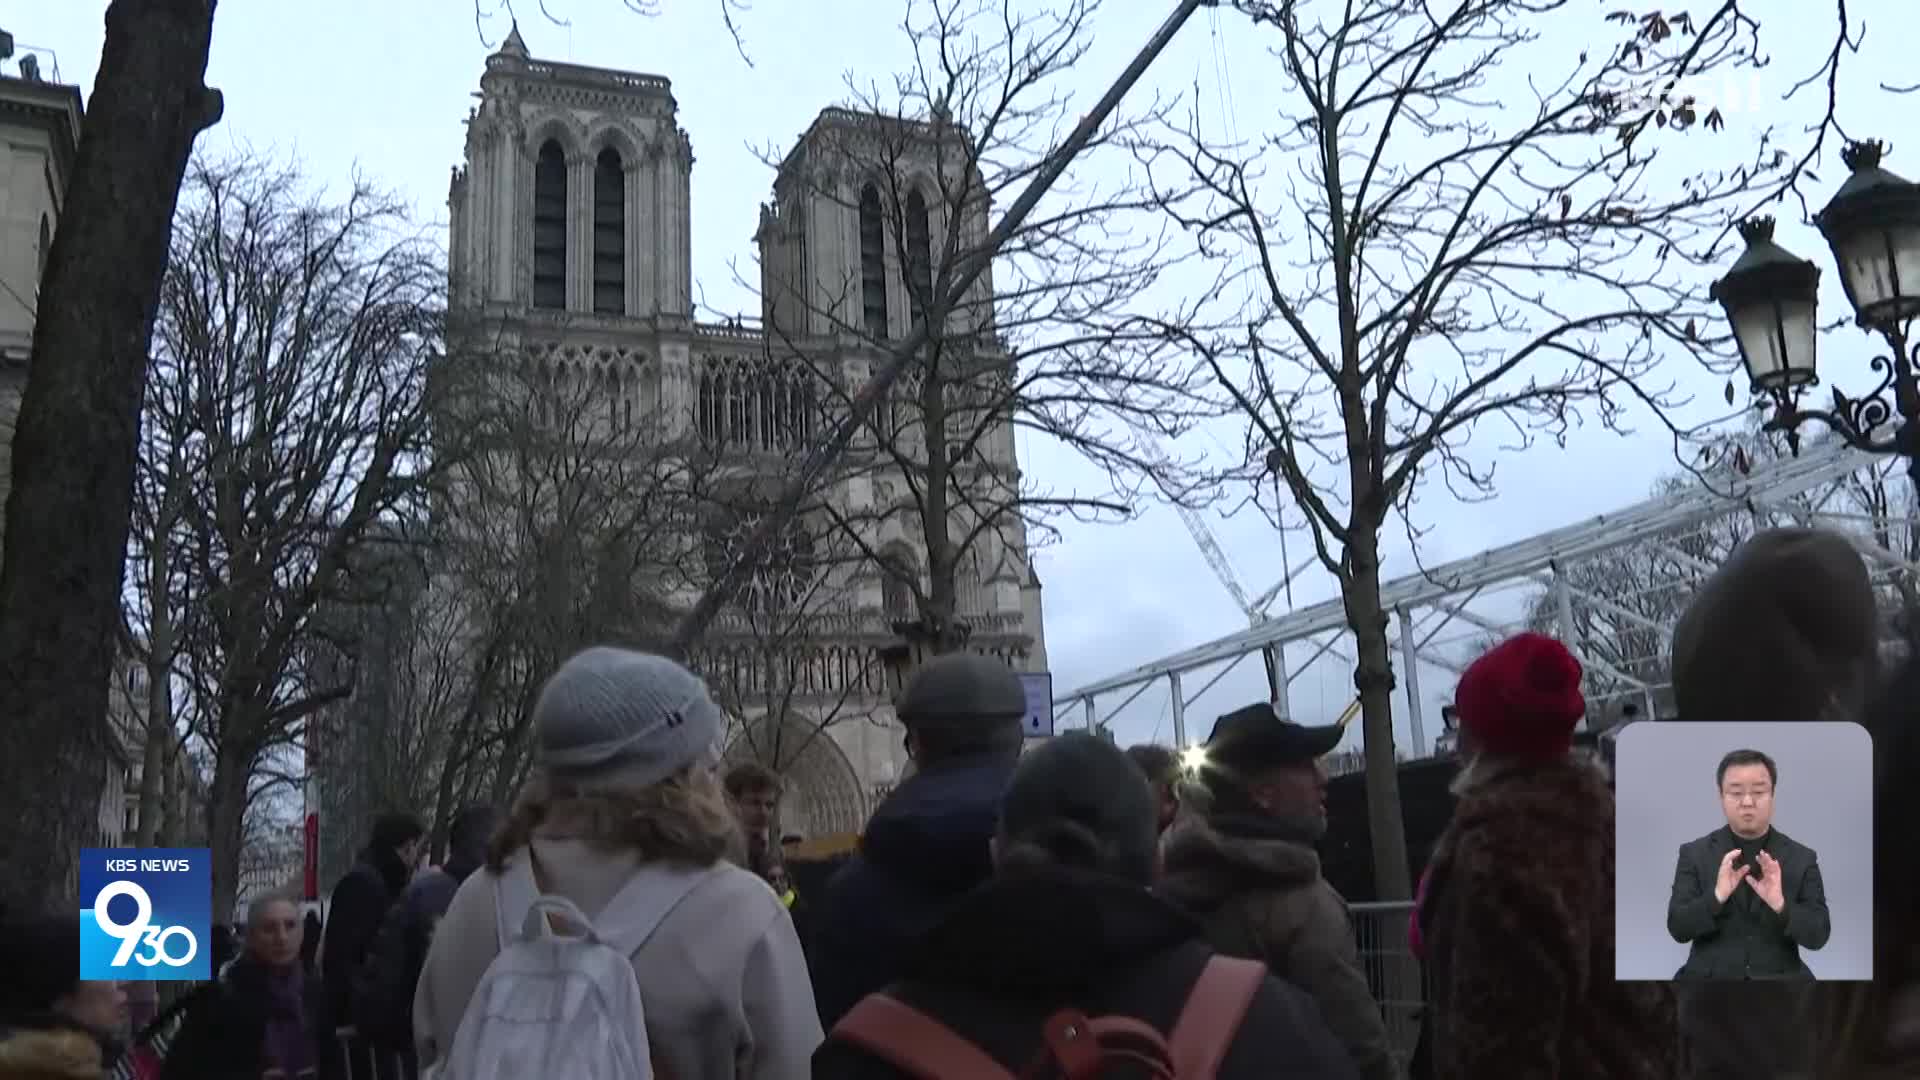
<point x="36" y="1052"/>
<point x="1519" y="932"/>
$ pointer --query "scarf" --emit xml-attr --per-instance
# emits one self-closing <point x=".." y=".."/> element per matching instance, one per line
<point x="290" y="1044"/>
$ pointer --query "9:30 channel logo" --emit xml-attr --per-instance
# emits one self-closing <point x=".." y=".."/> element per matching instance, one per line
<point x="148" y="913"/>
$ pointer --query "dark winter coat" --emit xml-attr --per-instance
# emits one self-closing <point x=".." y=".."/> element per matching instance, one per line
<point x="383" y="988"/>
<point x="1017" y="950"/>
<point x="359" y="905"/>
<point x="925" y="847"/>
<point x="1520" y="938"/>
<point x="1742" y="938"/>
<point x="46" y="1048"/>
<point x="1256" y="888"/>
<point x="223" y="1035"/>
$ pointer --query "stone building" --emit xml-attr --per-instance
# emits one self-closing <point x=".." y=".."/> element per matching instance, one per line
<point x="39" y="136"/>
<point x="571" y="257"/>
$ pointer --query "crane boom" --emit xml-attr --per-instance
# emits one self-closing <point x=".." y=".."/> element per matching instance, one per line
<point x="1203" y="538"/>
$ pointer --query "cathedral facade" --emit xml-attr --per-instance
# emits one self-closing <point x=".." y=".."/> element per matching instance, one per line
<point x="571" y="250"/>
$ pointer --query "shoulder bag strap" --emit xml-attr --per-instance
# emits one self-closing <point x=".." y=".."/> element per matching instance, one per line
<point x="914" y="1042"/>
<point x="1211" y="1017"/>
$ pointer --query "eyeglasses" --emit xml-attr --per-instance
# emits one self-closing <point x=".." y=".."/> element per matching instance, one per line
<point x="1746" y="796"/>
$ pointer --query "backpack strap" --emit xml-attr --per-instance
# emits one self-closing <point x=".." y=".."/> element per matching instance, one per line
<point x="645" y="901"/>
<point x="1078" y="1047"/>
<point x="914" y="1042"/>
<point x="1211" y="1017"/>
<point x="628" y="920"/>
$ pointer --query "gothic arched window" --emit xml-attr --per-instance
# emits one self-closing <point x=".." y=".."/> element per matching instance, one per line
<point x="897" y="574"/>
<point x="873" y="263"/>
<point x="918" y="254"/>
<point x="708" y="408"/>
<point x="609" y="234"/>
<point x="550" y="227"/>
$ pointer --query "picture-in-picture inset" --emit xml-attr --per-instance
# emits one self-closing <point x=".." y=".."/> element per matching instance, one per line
<point x="1744" y="852"/>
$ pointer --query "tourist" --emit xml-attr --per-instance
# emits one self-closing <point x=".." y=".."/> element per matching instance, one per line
<point x="54" y="1025"/>
<point x="1245" y="864"/>
<point x="1068" y="923"/>
<point x="1787" y="629"/>
<point x="1164" y="772"/>
<point x="624" y="818"/>
<point x="1517" y="920"/>
<point x="926" y="845"/>
<point x="263" y="1014"/>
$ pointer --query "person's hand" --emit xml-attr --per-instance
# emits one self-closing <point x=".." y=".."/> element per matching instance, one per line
<point x="1767" y="884"/>
<point x="1730" y="876"/>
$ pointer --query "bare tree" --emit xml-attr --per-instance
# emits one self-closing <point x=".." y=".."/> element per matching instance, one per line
<point x="566" y="525"/>
<point x="1425" y="259"/>
<point x="291" y="368"/>
<point x="1048" y="341"/>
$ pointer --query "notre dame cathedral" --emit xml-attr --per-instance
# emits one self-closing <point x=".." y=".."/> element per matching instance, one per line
<point x="571" y="244"/>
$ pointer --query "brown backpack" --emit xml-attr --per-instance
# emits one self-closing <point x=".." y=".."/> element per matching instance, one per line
<point x="1074" y="1045"/>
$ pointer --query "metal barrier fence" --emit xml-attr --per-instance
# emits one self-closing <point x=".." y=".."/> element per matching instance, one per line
<point x="1397" y="979"/>
<point x="362" y="1060"/>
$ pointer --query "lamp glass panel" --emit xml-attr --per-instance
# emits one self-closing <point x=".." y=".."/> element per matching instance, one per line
<point x="1867" y="270"/>
<point x="1906" y="265"/>
<point x="1756" y="328"/>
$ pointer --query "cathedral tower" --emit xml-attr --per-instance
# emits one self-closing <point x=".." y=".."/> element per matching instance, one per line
<point x="575" y="193"/>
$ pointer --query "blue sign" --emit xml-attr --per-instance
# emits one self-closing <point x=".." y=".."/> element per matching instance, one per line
<point x="148" y="913"/>
<point x="1039" y="688"/>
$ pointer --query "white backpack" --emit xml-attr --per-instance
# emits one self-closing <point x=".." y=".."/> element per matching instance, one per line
<point x="564" y="1004"/>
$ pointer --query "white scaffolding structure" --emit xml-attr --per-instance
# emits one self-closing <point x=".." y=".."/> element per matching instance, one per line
<point x="1666" y="544"/>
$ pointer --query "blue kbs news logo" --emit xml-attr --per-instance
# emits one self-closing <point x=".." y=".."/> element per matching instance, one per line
<point x="148" y="913"/>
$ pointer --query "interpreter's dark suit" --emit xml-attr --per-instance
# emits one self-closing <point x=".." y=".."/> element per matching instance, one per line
<point x="1743" y="938"/>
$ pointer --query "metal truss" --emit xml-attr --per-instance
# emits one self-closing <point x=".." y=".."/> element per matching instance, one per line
<point x="1427" y="603"/>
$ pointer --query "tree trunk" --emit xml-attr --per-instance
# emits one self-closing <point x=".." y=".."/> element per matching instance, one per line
<point x="159" y="731"/>
<point x="75" y="439"/>
<point x="942" y="614"/>
<point x="168" y="830"/>
<point x="226" y="828"/>
<point x="1373" y="678"/>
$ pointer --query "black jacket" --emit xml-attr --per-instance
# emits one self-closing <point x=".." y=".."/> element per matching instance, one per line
<point x="223" y="1034"/>
<point x="1017" y="950"/>
<point x="359" y="905"/>
<point x="925" y="848"/>
<point x="383" y="987"/>
<point x="1743" y="938"/>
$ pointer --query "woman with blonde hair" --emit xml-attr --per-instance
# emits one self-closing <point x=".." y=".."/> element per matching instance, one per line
<point x="623" y="800"/>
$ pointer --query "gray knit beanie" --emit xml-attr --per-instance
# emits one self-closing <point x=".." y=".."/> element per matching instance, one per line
<point x="617" y="708"/>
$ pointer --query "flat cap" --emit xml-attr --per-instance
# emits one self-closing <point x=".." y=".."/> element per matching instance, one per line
<point x="961" y="687"/>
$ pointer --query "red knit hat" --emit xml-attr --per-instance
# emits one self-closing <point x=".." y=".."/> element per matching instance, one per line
<point x="1522" y="699"/>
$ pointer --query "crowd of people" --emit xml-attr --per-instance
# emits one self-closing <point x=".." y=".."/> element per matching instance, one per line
<point x="1055" y="907"/>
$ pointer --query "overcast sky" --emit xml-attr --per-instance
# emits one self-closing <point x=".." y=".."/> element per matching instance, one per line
<point x="383" y="87"/>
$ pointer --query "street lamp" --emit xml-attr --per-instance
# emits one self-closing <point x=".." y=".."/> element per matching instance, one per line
<point x="1770" y="297"/>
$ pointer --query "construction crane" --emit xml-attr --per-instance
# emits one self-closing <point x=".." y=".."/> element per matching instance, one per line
<point x="1255" y="608"/>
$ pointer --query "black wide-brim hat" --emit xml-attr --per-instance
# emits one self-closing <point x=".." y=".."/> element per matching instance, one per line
<point x="1256" y="737"/>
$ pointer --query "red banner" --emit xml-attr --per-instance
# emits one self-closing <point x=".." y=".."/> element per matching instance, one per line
<point x="312" y="883"/>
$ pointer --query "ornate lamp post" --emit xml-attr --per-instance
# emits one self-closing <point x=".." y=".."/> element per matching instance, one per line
<point x="1770" y="296"/>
